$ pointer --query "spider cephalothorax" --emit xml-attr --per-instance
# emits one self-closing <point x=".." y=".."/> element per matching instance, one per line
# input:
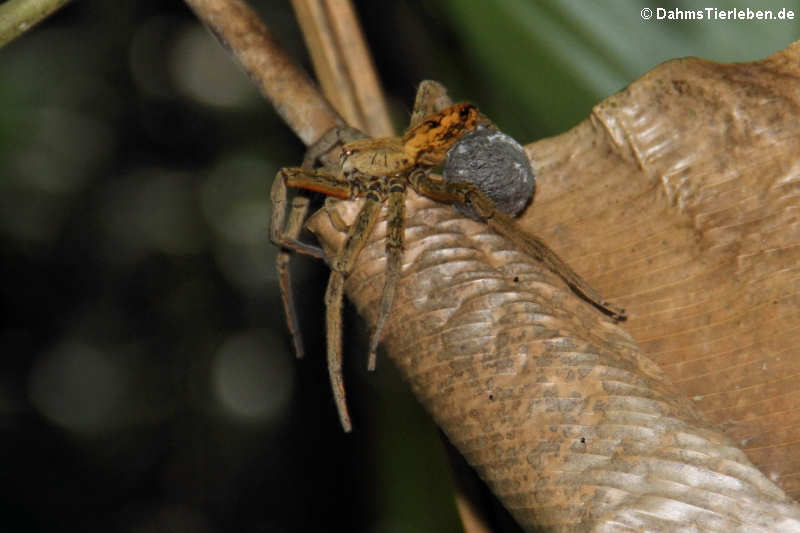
<point x="380" y="170"/>
<point x="423" y="145"/>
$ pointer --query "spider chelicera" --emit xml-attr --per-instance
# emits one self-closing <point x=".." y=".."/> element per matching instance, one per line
<point x="380" y="170"/>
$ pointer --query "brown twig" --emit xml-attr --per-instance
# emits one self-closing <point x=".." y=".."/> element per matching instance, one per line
<point x="18" y="16"/>
<point x="292" y="93"/>
<point x="343" y="64"/>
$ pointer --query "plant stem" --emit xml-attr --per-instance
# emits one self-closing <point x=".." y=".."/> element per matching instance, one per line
<point x="294" y="96"/>
<point x="18" y="16"/>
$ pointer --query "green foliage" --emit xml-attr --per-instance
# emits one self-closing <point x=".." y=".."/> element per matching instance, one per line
<point x="550" y="61"/>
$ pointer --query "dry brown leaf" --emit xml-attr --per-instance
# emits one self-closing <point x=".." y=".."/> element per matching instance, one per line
<point x="675" y="199"/>
<point x="679" y="198"/>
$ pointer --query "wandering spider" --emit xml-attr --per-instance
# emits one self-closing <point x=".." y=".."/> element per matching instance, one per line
<point x="379" y="171"/>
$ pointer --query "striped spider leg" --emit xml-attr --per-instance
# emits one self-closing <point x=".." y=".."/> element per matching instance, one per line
<point x="375" y="192"/>
<point x="285" y="233"/>
<point x="469" y="195"/>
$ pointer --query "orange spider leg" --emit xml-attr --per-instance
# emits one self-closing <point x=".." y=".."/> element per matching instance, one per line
<point x="323" y="182"/>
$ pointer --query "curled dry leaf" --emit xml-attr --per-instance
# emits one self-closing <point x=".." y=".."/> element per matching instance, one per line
<point x="677" y="199"/>
<point x="680" y="199"/>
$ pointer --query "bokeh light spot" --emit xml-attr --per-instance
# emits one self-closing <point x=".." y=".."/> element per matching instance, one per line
<point x="76" y="387"/>
<point x="251" y="379"/>
<point x="202" y="70"/>
<point x="235" y="202"/>
<point x="151" y="210"/>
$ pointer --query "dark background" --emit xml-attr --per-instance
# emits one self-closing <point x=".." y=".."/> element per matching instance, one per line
<point x="146" y="377"/>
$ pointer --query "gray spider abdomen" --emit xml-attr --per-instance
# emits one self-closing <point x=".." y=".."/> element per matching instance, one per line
<point x="496" y="164"/>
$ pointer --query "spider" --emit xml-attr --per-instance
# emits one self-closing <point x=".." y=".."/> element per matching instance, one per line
<point x="380" y="170"/>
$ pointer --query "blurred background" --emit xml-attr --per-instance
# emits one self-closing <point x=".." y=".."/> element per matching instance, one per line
<point x="147" y="381"/>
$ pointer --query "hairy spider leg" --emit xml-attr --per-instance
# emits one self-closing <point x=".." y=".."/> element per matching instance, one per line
<point x="279" y="231"/>
<point x="286" y="235"/>
<point x="431" y="98"/>
<point x="468" y="195"/>
<point x="285" y="231"/>
<point x="294" y="225"/>
<point x="395" y="225"/>
<point x="334" y="295"/>
<point x="336" y="136"/>
<point x="337" y="187"/>
<point x="306" y="178"/>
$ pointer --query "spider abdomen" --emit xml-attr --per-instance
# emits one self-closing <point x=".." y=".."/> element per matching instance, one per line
<point x="496" y="164"/>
